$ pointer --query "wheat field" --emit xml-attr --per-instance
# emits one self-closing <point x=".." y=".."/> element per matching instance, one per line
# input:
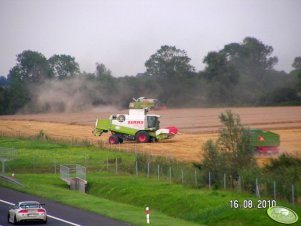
<point x="196" y="126"/>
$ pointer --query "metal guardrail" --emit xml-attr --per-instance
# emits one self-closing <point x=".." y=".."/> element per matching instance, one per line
<point x="71" y="171"/>
<point x="8" y="153"/>
<point x="75" y="176"/>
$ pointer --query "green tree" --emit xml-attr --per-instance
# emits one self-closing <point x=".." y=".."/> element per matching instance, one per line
<point x="18" y="94"/>
<point x="218" y="69"/>
<point x="63" y="66"/>
<point x="32" y="66"/>
<point x="213" y="162"/>
<point x="106" y="87"/>
<point x="232" y="153"/>
<point x="299" y="81"/>
<point x="3" y="101"/>
<point x="168" y="61"/>
<point x="254" y="61"/>
<point x="171" y="70"/>
<point x="234" y="142"/>
<point x="297" y="63"/>
<point x="251" y="56"/>
<point x="102" y="71"/>
<point x="221" y="78"/>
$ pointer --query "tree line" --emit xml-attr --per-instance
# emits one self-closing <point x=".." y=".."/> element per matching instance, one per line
<point x="241" y="74"/>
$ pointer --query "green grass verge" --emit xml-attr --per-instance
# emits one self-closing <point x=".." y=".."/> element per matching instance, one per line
<point x="50" y="187"/>
<point x="38" y="156"/>
<point x="125" y="197"/>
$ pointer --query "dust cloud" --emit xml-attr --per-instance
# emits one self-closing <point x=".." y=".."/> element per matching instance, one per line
<point x="72" y="95"/>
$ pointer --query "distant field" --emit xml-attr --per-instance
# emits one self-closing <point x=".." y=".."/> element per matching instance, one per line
<point x="188" y="120"/>
<point x="196" y="125"/>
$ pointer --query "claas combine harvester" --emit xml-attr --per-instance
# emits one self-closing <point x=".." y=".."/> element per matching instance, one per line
<point x="265" y="142"/>
<point x="142" y="127"/>
<point x="138" y="125"/>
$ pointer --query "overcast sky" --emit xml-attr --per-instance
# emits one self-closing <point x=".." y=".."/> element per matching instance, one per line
<point x="123" y="34"/>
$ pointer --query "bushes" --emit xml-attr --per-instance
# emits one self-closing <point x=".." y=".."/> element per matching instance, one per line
<point x="231" y="154"/>
<point x="285" y="172"/>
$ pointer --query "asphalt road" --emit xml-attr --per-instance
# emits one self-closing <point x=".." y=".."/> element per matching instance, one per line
<point x="58" y="214"/>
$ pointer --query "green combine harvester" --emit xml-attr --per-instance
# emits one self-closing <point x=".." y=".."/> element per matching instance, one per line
<point x="138" y="125"/>
<point x="265" y="142"/>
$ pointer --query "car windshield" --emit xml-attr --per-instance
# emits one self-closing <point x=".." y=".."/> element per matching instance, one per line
<point x="30" y="205"/>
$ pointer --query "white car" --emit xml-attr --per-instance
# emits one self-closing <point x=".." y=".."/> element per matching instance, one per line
<point x="27" y="211"/>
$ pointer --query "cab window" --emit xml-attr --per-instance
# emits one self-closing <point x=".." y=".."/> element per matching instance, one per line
<point x="152" y="121"/>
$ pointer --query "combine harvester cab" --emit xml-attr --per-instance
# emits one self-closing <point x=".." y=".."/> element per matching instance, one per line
<point x="265" y="142"/>
<point x="138" y="125"/>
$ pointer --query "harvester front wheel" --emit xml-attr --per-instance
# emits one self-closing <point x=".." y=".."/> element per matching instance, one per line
<point x="113" y="139"/>
<point x="120" y="140"/>
<point x="142" y="137"/>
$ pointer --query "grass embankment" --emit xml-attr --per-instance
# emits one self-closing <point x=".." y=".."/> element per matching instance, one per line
<point x="125" y="197"/>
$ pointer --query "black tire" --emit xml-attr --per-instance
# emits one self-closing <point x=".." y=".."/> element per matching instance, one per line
<point x="15" y="221"/>
<point x="142" y="137"/>
<point x="8" y="218"/>
<point x="153" y="139"/>
<point x="113" y="139"/>
<point x="45" y="221"/>
<point x="120" y="140"/>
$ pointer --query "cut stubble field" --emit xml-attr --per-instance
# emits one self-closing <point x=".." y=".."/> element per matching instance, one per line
<point x="196" y="126"/>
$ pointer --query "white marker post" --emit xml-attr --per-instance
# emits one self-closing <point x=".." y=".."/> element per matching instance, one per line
<point x="147" y="215"/>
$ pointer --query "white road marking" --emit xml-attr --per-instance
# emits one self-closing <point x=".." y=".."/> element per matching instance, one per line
<point x="8" y="203"/>
<point x="50" y="216"/>
<point x="62" y="220"/>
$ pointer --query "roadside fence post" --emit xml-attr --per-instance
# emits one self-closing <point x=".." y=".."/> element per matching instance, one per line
<point x="116" y="165"/>
<point x="182" y="175"/>
<point x="209" y="180"/>
<point x="54" y="166"/>
<point x="148" y="170"/>
<point x="257" y="189"/>
<point x="274" y="188"/>
<point x="136" y="167"/>
<point x="293" y="194"/>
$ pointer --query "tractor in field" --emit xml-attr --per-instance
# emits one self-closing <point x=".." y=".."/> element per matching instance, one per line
<point x="265" y="142"/>
<point x="138" y="125"/>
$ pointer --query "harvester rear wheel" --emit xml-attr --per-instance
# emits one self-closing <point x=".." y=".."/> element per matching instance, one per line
<point x="113" y="139"/>
<point x="142" y="137"/>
